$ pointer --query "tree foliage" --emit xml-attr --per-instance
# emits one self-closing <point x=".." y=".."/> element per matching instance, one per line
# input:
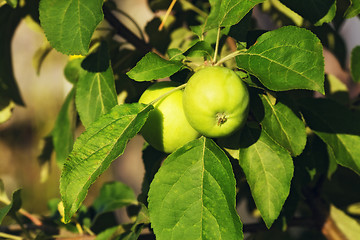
<point x="300" y="136"/>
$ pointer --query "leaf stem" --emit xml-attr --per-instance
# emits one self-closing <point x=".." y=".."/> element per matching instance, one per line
<point x="133" y="21"/>
<point x="230" y="56"/>
<point x="217" y="45"/>
<point x="125" y="33"/>
<point x="194" y="8"/>
<point x="168" y="93"/>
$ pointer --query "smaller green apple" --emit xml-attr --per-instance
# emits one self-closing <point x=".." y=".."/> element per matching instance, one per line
<point x="166" y="128"/>
<point x="216" y="101"/>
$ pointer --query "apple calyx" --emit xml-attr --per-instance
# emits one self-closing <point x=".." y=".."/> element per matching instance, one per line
<point x="221" y="118"/>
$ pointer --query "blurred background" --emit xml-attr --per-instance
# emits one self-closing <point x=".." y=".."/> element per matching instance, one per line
<point x="21" y="137"/>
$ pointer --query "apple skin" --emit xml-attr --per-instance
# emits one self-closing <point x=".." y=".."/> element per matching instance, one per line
<point x="166" y="128"/>
<point x="216" y="102"/>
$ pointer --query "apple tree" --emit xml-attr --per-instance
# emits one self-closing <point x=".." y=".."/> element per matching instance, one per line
<point x="238" y="120"/>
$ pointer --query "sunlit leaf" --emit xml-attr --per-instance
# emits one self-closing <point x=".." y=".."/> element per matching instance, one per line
<point x="6" y="109"/>
<point x="63" y="132"/>
<point x="312" y="10"/>
<point x="102" y="142"/>
<point x="12" y="3"/>
<point x="152" y="66"/>
<point x="329" y="16"/>
<point x="95" y="88"/>
<point x="95" y="95"/>
<point x="282" y="125"/>
<point x="347" y="225"/>
<point x="200" y="49"/>
<point x="286" y="58"/>
<point x="193" y="195"/>
<point x="69" y="24"/>
<point x="228" y="12"/>
<point x="268" y="169"/>
<point x="354" y="9"/>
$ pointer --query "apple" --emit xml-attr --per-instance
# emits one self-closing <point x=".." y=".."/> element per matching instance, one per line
<point x="166" y="128"/>
<point x="216" y="101"/>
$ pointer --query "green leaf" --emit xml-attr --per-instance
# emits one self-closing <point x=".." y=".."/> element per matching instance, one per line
<point x="102" y="142"/>
<point x="136" y="228"/>
<point x="9" y="20"/>
<point x="6" y="109"/>
<point x="152" y="66"/>
<point x="268" y="169"/>
<point x="332" y="162"/>
<point x="95" y="89"/>
<point x="95" y="95"/>
<point x="13" y="207"/>
<point x="312" y="10"/>
<point x="107" y="234"/>
<point x="355" y="64"/>
<point x="329" y="16"/>
<point x="69" y="24"/>
<point x="347" y="225"/>
<point x="175" y="54"/>
<point x="354" y="9"/>
<point x="193" y="195"/>
<point x="228" y="12"/>
<point x="282" y="125"/>
<point x="73" y="70"/>
<point x="336" y="126"/>
<point x="63" y="132"/>
<point x="127" y="231"/>
<point x="286" y="58"/>
<point x="200" y="49"/>
<point x="12" y="3"/>
<point x="112" y="196"/>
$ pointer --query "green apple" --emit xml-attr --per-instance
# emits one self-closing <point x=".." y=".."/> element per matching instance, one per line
<point x="216" y="101"/>
<point x="166" y="128"/>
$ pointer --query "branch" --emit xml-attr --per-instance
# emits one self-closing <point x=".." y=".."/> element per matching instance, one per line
<point x="331" y="231"/>
<point x="125" y="33"/>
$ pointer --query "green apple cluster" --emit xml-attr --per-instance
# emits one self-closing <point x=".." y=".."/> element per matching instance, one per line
<point x="214" y="104"/>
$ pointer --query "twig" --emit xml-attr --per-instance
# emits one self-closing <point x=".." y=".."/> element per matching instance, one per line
<point x="331" y="231"/>
<point x="9" y="236"/>
<point x="85" y="237"/>
<point x="33" y="218"/>
<point x="124" y="32"/>
<point x="167" y="14"/>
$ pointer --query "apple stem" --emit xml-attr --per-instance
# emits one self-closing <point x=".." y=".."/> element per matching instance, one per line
<point x="168" y="93"/>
